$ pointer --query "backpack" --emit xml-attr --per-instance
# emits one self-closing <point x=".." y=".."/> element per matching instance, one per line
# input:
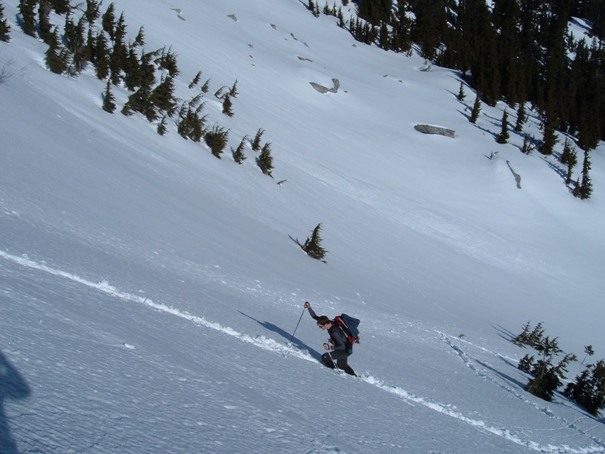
<point x="349" y="326"/>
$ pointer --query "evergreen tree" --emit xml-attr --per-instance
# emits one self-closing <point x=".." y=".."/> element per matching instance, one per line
<point x="521" y="117"/>
<point x="60" y="6"/>
<point x="238" y="154"/>
<point x="506" y="20"/>
<point x="257" y="139"/>
<point x="167" y="61"/>
<point x="588" y="351"/>
<point x="461" y="95"/>
<point x="118" y="59"/>
<point x="311" y="6"/>
<point x="429" y="27"/>
<point x="28" y="16"/>
<point x="195" y="80"/>
<point x="109" y="104"/>
<point x="598" y="22"/>
<point x="583" y="190"/>
<point x="102" y="56"/>
<point x="92" y="12"/>
<point x="139" y="40"/>
<point x="375" y="11"/>
<point x="162" y="96"/>
<point x="189" y="124"/>
<point x="44" y="25"/>
<point x="108" y="21"/>
<point x="313" y="246"/>
<point x="476" y="110"/>
<point x="474" y="45"/>
<point x="549" y="139"/>
<point x="77" y="45"/>
<point x="56" y="57"/>
<point x="227" y="106"/>
<point x="265" y="160"/>
<point x="546" y="375"/>
<point x="233" y="90"/>
<point x="140" y="101"/>
<point x="522" y="338"/>
<point x="162" y="126"/>
<point x="503" y="136"/>
<point x="91" y="44"/>
<point x="4" y="27"/>
<point x="217" y="139"/>
<point x="588" y="390"/>
<point x="569" y="158"/>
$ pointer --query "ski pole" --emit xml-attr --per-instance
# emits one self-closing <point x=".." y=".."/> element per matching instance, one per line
<point x="301" y="316"/>
<point x="332" y="359"/>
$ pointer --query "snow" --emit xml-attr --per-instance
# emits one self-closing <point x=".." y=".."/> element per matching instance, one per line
<point x="149" y="292"/>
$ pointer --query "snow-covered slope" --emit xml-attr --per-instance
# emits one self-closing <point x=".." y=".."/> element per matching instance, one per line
<point x="149" y="291"/>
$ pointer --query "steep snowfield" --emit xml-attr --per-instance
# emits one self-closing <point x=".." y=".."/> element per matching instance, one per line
<point x="149" y="291"/>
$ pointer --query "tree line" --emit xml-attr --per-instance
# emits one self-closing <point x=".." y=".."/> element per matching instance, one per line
<point x="90" y="36"/>
<point x="517" y="51"/>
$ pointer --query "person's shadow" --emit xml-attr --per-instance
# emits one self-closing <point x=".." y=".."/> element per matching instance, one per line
<point x="294" y="340"/>
<point x="12" y="386"/>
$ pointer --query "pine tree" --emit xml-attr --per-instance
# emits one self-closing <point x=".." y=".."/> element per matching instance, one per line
<point x="233" y="90"/>
<point x="77" y="44"/>
<point x="167" y="61"/>
<point x="547" y="376"/>
<point x="257" y="139"/>
<point x="92" y="12"/>
<point x="503" y="136"/>
<point x="44" y="25"/>
<point x="238" y="154"/>
<point x="28" y="16"/>
<point x="61" y="6"/>
<point x="109" y="104"/>
<point x="588" y="390"/>
<point x="521" y="117"/>
<point x="119" y="54"/>
<point x="569" y="157"/>
<point x="108" y="21"/>
<point x="583" y="190"/>
<point x="56" y="57"/>
<point x="476" y="110"/>
<point x="189" y="124"/>
<point x="549" y="139"/>
<point x="217" y="139"/>
<point x="311" y="6"/>
<point x="133" y="77"/>
<point x="265" y="160"/>
<point x="227" y="106"/>
<point x="195" y="80"/>
<point x="313" y="246"/>
<point x="162" y="126"/>
<point x="461" y="95"/>
<point x="4" y="27"/>
<point x="139" y="40"/>
<point x="102" y="56"/>
<point x="588" y="351"/>
<point x="162" y="96"/>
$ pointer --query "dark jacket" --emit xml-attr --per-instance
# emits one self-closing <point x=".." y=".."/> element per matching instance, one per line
<point x="339" y="338"/>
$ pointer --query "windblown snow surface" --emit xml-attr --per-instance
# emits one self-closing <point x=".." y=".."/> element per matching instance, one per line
<point x="150" y="293"/>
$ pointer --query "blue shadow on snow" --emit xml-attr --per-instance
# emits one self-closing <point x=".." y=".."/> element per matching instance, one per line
<point x="12" y="386"/>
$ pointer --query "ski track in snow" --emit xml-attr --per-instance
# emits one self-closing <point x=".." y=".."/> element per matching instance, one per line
<point x="474" y="365"/>
<point x="272" y="345"/>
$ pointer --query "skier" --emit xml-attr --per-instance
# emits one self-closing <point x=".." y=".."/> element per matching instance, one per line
<point x="338" y="348"/>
